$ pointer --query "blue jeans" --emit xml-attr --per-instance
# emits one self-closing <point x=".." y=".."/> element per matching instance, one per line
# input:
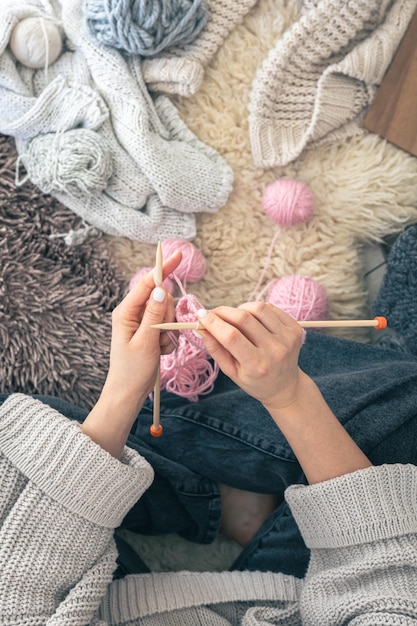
<point x="228" y="437"/>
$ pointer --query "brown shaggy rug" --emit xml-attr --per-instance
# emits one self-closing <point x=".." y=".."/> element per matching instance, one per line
<point x="55" y="300"/>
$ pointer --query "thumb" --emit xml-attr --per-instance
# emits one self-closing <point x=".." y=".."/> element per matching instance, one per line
<point x="155" y="312"/>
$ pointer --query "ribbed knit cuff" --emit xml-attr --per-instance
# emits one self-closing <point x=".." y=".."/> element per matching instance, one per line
<point x="322" y="75"/>
<point x="67" y="465"/>
<point x="278" y="142"/>
<point x="176" y="75"/>
<point x="367" y="505"/>
<point x="133" y="597"/>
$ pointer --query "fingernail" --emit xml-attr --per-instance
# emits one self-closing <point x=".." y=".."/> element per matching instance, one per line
<point x="159" y="294"/>
<point x="155" y="279"/>
<point x="201" y="313"/>
<point x="197" y="334"/>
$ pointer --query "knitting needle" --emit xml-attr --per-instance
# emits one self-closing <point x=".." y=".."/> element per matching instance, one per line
<point x="156" y="427"/>
<point x="378" y="322"/>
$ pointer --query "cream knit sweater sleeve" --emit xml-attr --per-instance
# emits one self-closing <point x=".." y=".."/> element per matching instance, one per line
<point x="362" y="531"/>
<point x="61" y="496"/>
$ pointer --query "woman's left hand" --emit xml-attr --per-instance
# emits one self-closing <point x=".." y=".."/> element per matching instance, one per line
<point x="135" y="346"/>
<point x="135" y="352"/>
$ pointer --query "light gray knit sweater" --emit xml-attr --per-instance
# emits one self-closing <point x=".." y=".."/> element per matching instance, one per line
<point x="61" y="496"/>
<point x="88" y="132"/>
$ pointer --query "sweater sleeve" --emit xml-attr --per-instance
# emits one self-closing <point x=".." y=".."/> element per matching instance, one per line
<point x="362" y="532"/>
<point x="61" y="496"/>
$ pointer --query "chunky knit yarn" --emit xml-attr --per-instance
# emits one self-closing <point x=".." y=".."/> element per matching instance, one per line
<point x="145" y="28"/>
<point x="144" y="175"/>
<point x="76" y="162"/>
<point x="61" y="496"/>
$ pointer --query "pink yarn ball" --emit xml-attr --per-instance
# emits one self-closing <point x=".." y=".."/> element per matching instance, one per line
<point x="300" y="296"/>
<point x="168" y="283"/>
<point x="193" y="265"/>
<point x="288" y="202"/>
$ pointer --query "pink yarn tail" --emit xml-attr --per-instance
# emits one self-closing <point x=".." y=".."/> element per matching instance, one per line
<point x="254" y="295"/>
<point x="187" y="372"/>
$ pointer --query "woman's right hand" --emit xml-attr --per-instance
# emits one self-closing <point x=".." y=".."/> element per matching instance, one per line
<point x="257" y="346"/>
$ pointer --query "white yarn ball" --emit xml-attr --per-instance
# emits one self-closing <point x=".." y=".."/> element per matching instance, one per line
<point x="36" y="42"/>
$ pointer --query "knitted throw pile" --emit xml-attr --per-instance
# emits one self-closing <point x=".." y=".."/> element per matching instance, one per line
<point x="147" y="174"/>
<point x="315" y="84"/>
<point x="89" y="133"/>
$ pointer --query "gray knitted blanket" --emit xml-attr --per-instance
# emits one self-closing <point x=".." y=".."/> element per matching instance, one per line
<point x="89" y="133"/>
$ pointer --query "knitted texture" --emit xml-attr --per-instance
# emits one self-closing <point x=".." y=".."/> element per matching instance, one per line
<point x="131" y="166"/>
<point x="378" y="519"/>
<point x="318" y="80"/>
<point x="58" y="490"/>
<point x="351" y="537"/>
<point x="397" y="297"/>
<point x="145" y="28"/>
<point x="61" y="496"/>
<point x="181" y="70"/>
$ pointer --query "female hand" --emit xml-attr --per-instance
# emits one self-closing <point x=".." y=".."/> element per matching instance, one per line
<point x="257" y="346"/>
<point x="134" y="357"/>
<point x="135" y="346"/>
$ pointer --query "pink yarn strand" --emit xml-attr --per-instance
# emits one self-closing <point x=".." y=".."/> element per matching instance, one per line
<point x="254" y="294"/>
<point x="287" y="202"/>
<point x="265" y="289"/>
<point x="188" y="370"/>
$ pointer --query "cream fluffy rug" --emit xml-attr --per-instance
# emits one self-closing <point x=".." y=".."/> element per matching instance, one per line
<point x="364" y="189"/>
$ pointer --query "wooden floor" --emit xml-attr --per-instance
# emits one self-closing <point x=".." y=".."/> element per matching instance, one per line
<point x="393" y="113"/>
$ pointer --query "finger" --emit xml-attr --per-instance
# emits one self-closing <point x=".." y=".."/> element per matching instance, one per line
<point x="129" y="312"/>
<point x="166" y="343"/>
<point x="136" y="299"/>
<point x="155" y="312"/>
<point x="219" y="353"/>
<point x="224" y="325"/>
<point x="249" y="326"/>
<point x="280" y="325"/>
<point x="270" y="316"/>
<point x="167" y="339"/>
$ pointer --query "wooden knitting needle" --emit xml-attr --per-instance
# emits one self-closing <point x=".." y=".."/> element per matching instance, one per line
<point x="156" y="428"/>
<point x="378" y="322"/>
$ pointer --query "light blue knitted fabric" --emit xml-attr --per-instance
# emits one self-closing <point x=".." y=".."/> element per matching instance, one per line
<point x="145" y="27"/>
